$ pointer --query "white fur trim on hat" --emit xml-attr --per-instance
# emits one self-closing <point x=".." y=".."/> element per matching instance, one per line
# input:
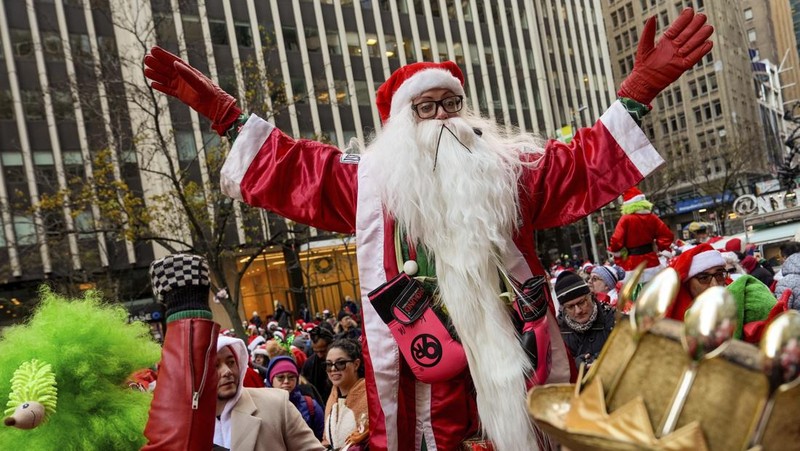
<point x="633" y="199"/>
<point x="705" y="260"/>
<point x="422" y="81"/>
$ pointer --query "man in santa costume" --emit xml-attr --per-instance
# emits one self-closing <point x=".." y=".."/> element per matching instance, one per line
<point x="447" y="197"/>
<point x="638" y="235"/>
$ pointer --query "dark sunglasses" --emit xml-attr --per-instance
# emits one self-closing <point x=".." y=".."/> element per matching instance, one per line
<point x="340" y="365"/>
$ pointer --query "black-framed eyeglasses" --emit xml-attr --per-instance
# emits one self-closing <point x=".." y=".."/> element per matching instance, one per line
<point x="428" y="108"/>
<point x="340" y="365"/>
<point x="587" y="299"/>
<point x="705" y="278"/>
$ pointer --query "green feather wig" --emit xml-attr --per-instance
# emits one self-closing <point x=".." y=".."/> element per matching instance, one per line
<point x="92" y="350"/>
<point x="633" y="207"/>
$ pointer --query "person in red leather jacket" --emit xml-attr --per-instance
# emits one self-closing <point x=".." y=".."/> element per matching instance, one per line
<point x="444" y="195"/>
<point x="199" y="402"/>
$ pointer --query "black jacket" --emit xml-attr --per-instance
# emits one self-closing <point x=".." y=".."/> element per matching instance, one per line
<point x="586" y="346"/>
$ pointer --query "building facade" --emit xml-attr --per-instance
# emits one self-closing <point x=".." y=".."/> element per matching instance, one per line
<point x="708" y="125"/>
<point x="74" y="106"/>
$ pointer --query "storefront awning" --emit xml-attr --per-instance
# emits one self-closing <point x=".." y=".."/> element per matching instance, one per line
<point x="768" y="235"/>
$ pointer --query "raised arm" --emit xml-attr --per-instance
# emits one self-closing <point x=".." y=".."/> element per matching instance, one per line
<point x="306" y="181"/>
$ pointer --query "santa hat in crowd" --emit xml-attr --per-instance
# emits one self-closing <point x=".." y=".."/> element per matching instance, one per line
<point x="689" y="264"/>
<point x="261" y="350"/>
<point x="633" y="200"/>
<point x="734" y="245"/>
<point x="749" y="263"/>
<point x="632" y="195"/>
<point x="412" y="80"/>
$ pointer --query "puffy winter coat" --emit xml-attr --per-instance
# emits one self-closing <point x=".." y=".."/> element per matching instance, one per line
<point x="790" y="280"/>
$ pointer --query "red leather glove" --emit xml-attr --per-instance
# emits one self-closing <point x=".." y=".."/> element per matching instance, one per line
<point x="657" y="65"/>
<point x="173" y="76"/>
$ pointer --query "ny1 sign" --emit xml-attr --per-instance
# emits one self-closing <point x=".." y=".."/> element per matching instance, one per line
<point x="766" y="203"/>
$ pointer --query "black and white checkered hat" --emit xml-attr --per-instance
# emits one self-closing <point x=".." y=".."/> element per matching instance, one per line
<point x="176" y="271"/>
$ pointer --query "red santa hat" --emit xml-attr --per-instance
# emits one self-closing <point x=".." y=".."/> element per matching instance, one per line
<point x="689" y="264"/>
<point x="734" y="245"/>
<point x="412" y="80"/>
<point x="632" y="195"/>
<point x="696" y="260"/>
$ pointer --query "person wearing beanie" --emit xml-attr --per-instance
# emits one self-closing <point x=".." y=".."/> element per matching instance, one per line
<point x="603" y="282"/>
<point x="439" y="179"/>
<point x="585" y="323"/>
<point x="702" y="267"/>
<point x="640" y="236"/>
<point x="200" y="401"/>
<point x="282" y="373"/>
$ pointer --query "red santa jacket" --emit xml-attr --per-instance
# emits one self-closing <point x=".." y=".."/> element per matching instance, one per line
<point x="315" y="184"/>
<point x="637" y="230"/>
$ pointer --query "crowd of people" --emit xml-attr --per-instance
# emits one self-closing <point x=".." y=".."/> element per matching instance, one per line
<point x="588" y="293"/>
<point x="444" y="204"/>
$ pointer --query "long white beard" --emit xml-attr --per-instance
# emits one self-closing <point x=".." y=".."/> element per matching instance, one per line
<point x="464" y="212"/>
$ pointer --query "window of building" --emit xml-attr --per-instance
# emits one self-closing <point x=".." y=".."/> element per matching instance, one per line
<point x="362" y="92"/>
<point x="32" y="105"/>
<point x="6" y="104"/>
<point x="165" y="28"/>
<point x="63" y="108"/>
<point x="427" y="54"/>
<point x="312" y="39"/>
<point x="372" y="45"/>
<point x="391" y="47"/>
<point x="24" y="229"/>
<point x="334" y="47"/>
<point x="290" y="41"/>
<point x="21" y="43"/>
<point x="751" y="35"/>
<point x="80" y="46"/>
<point x="748" y="14"/>
<point x="10" y="159"/>
<point x="244" y="35"/>
<point x="53" y="47"/>
<point x="299" y="89"/>
<point x="353" y="44"/>
<point x="411" y="55"/>
<point x="72" y="157"/>
<point x="717" y="108"/>
<point x="43" y="158"/>
<point x="184" y="141"/>
<point x="84" y="223"/>
<point x="218" y="31"/>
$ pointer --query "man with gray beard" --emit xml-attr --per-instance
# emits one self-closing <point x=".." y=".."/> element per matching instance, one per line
<point x="444" y="205"/>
